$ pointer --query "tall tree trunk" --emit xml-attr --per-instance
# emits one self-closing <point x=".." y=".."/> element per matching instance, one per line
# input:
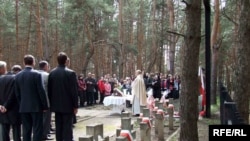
<point x="231" y="62"/>
<point x="91" y="45"/>
<point x="96" y="61"/>
<point x="18" y="55"/>
<point x="153" y="48"/>
<point x="1" y="38"/>
<point x="121" y="38"/>
<point x="83" y="52"/>
<point x="189" y="67"/>
<point x="215" y="46"/>
<point x="131" y="41"/>
<point x="26" y="47"/>
<point x="242" y="89"/>
<point x="56" y="35"/>
<point x="39" y="32"/>
<point x="162" y="38"/>
<point x="172" y="39"/>
<point x="46" y="36"/>
<point x="1" y="42"/>
<point x="140" y="35"/>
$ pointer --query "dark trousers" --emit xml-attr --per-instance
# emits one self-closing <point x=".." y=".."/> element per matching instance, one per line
<point x="90" y="98"/>
<point x="170" y="94"/>
<point x="32" y="121"/>
<point x="176" y="94"/>
<point x="46" y="123"/>
<point x="16" y="131"/>
<point x="157" y="94"/>
<point x="96" y="97"/>
<point x="64" y="131"/>
<point x="102" y="95"/>
<point x="74" y="121"/>
<point x="82" y="97"/>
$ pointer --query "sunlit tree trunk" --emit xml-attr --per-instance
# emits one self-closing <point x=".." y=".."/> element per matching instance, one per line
<point x="215" y="46"/>
<point x="189" y="73"/>
<point x="242" y="89"/>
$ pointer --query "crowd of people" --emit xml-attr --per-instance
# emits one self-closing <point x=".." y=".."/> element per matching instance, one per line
<point x="29" y="96"/>
<point x="93" y="91"/>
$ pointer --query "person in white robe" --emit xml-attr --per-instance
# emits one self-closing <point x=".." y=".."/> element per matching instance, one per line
<point x="139" y="93"/>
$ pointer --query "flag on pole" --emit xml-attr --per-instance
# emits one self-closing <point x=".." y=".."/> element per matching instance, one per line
<point x="202" y="89"/>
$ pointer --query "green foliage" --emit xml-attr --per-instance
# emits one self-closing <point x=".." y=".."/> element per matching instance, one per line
<point x="132" y="48"/>
<point x="68" y="19"/>
<point x="7" y="19"/>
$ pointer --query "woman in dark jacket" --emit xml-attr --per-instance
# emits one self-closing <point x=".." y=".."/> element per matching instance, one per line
<point x="156" y="85"/>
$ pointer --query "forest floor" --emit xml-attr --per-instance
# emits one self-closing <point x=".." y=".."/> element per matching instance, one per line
<point x="203" y="128"/>
<point x="169" y="135"/>
<point x="202" y="123"/>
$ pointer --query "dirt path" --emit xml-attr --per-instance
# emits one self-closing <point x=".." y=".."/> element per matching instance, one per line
<point x="100" y="114"/>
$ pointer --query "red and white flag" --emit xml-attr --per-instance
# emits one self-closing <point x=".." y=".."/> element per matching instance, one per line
<point x="202" y="88"/>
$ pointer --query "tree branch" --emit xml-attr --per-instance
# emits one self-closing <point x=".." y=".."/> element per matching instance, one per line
<point x="172" y="32"/>
<point x="227" y="17"/>
<point x="185" y="2"/>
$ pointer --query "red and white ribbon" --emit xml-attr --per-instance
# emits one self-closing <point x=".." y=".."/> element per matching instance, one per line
<point x="147" y="120"/>
<point x="155" y="108"/>
<point x="141" y="115"/>
<point x="170" y="106"/>
<point x="126" y="134"/>
<point x="160" y="111"/>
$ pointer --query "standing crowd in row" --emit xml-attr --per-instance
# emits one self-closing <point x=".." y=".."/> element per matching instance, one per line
<point x="28" y="97"/>
<point x="92" y="91"/>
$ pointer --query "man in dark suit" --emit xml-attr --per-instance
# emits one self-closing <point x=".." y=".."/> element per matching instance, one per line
<point x="90" y="83"/>
<point x="32" y="98"/>
<point x="9" y="115"/>
<point x="62" y="92"/>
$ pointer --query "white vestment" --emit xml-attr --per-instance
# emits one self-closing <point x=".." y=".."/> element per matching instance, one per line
<point x="139" y="94"/>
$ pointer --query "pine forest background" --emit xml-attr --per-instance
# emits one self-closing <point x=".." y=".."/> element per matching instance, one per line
<point x="120" y="36"/>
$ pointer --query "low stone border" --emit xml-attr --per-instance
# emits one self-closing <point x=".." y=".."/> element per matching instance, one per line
<point x="173" y="135"/>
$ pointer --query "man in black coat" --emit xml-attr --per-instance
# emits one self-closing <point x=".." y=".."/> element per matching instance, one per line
<point x="9" y="115"/>
<point x="62" y="92"/>
<point x="32" y="98"/>
<point x="91" y="89"/>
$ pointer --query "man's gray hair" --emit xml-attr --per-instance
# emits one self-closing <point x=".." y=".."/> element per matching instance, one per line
<point x="2" y="64"/>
